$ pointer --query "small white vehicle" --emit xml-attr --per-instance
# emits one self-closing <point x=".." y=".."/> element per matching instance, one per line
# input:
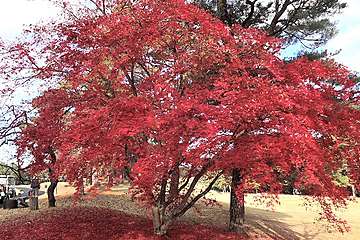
<point x="11" y="195"/>
<point x="7" y="184"/>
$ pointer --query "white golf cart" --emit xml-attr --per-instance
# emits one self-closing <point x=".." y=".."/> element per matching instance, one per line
<point x="7" y="184"/>
<point x="9" y="198"/>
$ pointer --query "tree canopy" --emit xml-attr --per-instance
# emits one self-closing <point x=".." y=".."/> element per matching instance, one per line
<point x="178" y="88"/>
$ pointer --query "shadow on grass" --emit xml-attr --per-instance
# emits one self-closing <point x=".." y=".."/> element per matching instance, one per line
<point x="258" y="222"/>
<point x="265" y="223"/>
<point x="270" y="224"/>
<point x="273" y="224"/>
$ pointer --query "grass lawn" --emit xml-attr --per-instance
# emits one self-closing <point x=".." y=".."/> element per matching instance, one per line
<point x="112" y="215"/>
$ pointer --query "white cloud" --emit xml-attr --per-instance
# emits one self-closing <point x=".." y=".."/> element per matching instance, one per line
<point x="14" y="14"/>
<point x="348" y="38"/>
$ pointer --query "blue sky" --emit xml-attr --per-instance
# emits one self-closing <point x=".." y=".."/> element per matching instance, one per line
<point x="14" y="14"/>
<point x="348" y="38"/>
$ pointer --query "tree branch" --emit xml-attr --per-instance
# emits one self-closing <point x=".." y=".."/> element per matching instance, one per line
<point x="246" y="22"/>
<point x="278" y="14"/>
<point x="193" y="184"/>
<point x="101" y="9"/>
<point x="131" y="80"/>
<point x="200" y="195"/>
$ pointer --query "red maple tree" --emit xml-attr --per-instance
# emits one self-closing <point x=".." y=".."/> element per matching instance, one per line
<point x="41" y="139"/>
<point x="172" y="85"/>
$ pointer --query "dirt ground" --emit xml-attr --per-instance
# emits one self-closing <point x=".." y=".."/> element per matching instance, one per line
<point x="289" y="220"/>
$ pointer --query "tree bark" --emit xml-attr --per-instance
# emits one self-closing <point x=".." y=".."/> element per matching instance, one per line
<point x="353" y="190"/>
<point x="34" y="203"/>
<point x="160" y="222"/>
<point x="53" y="181"/>
<point x="50" y="192"/>
<point x="237" y="204"/>
<point x="90" y="178"/>
<point x="174" y="183"/>
<point x="222" y="11"/>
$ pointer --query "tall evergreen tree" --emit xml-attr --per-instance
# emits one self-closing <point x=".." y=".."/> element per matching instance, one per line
<point x="297" y="21"/>
<point x="304" y="22"/>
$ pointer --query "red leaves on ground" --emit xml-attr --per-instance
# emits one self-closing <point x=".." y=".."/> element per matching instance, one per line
<point x="99" y="223"/>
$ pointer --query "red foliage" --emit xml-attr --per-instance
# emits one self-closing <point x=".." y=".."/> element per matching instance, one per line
<point x="167" y="84"/>
<point x="41" y="137"/>
<point x="96" y="223"/>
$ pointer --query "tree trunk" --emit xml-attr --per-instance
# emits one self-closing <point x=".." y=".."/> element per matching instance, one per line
<point x="50" y="192"/>
<point x="53" y="181"/>
<point x="82" y="190"/>
<point x="34" y="203"/>
<point x="353" y="191"/>
<point x="160" y="222"/>
<point x="95" y="179"/>
<point x="237" y="204"/>
<point x="90" y="179"/>
<point x="174" y="183"/>
<point x="222" y="10"/>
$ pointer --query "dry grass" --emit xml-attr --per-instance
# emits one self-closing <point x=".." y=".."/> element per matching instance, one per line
<point x="289" y="220"/>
